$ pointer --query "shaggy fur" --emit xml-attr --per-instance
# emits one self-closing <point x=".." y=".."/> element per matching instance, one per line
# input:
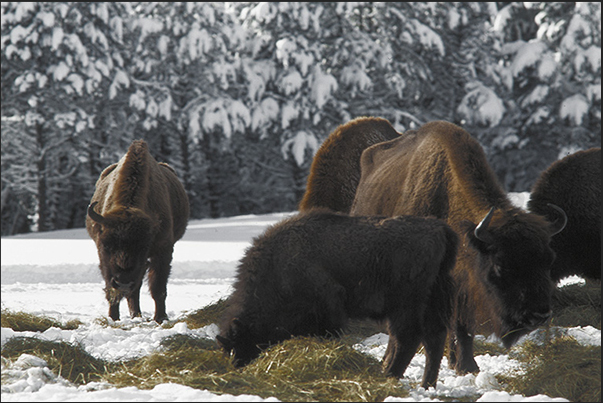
<point x="501" y="277"/>
<point x="335" y="170"/>
<point x="574" y="184"/>
<point x="138" y="211"/>
<point x="311" y="273"/>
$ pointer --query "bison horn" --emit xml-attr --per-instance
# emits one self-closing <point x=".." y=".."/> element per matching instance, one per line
<point x="94" y="215"/>
<point x="481" y="231"/>
<point x="560" y="223"/>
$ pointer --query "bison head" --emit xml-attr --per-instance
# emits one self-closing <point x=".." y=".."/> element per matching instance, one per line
<point x="514" y="262"/>
<point x="237" y="341"/>
<point x="123" y="237"/>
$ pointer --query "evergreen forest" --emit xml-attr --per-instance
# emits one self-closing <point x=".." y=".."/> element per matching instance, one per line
<point x="238" y="96"/>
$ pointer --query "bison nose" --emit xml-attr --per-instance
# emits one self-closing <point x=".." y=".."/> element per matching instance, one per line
<point x="121" y="286"/>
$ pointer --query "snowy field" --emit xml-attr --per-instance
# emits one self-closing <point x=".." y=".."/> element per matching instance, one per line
<point x="56" y="274"/>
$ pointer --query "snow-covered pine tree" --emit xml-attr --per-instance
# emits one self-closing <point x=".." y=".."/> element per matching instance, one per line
<point x="552" y="81"/>
<point x="54" y="57"/>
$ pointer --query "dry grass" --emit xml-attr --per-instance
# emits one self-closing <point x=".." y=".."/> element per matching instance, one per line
<point x="300" y="369"/>
<point x="205" y="316"/>
<point x="559" y="368"/>
<point x="64" y="359"/>
<point x="23" y="322"/>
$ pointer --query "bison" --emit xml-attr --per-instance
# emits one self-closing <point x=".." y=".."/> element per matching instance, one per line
<point x="502" y="274"/>
<point x="138" y="211"/>
<point x="335" y="170"/>
<point x="309" y="274"/>
<point x="574" y="184"/>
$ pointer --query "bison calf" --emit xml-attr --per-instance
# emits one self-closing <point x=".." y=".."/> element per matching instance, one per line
<point x="138" y="211"/>
<point x="309" y="274"/>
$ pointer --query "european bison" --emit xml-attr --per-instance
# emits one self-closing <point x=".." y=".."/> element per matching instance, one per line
<point x="335" y="170"/>
<point x="138" y="211"/>
<point x="574" y="184"/>
<point x="309" y="274"/>
<point x="502" y="274"/>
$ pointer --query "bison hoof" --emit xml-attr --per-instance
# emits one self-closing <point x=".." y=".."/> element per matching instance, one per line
<point x="466" y="367"/>
<point x="160" y="319"/>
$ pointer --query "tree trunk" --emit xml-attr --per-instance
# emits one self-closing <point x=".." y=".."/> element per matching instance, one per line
<point x="43" y="210"/>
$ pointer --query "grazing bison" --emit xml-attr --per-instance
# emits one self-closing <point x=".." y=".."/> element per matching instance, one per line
<point x="502" y="274"/>
<point x="574" y="184"/>
<point x="309" y="274"/>
<point x="335" y="171"/>
<point x="138" y="211"/>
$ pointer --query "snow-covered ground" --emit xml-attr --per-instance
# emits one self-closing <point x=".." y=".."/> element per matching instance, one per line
<point x="56" y="274"/>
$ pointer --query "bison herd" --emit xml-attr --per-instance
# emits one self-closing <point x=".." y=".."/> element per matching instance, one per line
<point x="410" y="229"/>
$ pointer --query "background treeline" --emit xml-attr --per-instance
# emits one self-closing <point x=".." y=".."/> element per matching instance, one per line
<point x="238" y="96"/>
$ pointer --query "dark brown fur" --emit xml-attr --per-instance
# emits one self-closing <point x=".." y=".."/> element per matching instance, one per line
<point x="501" y="279"/>
<point x="335" y="170"/>
<point x="311" y="273"/>
<point x="142" y="211"/>
<point x="440" y="170"/>
<point x="574" y="184"/>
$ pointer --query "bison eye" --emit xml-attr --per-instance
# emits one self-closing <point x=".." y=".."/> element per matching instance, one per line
<point x="497" y="270"/>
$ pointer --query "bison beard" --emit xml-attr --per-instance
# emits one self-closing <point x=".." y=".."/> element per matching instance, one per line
<point x="311" y="273"/>
<point x="138" y="211"/>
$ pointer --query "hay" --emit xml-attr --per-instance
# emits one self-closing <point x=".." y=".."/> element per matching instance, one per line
<point x="205" y="316"/>
<point x="559" y="368"/>
<point x="64" y="359"/>
<point x="308" y="368"/>
<point x="300" y="369"/>
<point x="24" y="322"/>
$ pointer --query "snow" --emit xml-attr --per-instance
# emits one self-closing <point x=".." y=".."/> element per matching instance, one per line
<point x="291" y="82"/>
<point x="481" y="105"/>
<point x="56" y="274"/>
<point x="537" y="95"/>
<point x="323" y="85"/>
<point x="428" y="37"/>
<point x="574" y="108"/>
<point x="298" y="145"/>
<point x="527" y="55"/>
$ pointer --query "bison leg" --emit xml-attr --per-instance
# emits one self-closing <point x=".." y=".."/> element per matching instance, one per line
<point x="434" y="342"/>
<point x="404" y="339"/>
<point x="113" y="297"/>
<point x="134" y="302"/>
<point x="159" y="271"/>
<point x="461" y="351"/>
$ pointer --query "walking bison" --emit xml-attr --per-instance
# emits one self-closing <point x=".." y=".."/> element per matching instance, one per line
<point x="574" y="184"/>
<point x="309" y="274"/>
<point x="138" y="211"/>
<point x="502" y="273"/>
<point x="335" y="170"/>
